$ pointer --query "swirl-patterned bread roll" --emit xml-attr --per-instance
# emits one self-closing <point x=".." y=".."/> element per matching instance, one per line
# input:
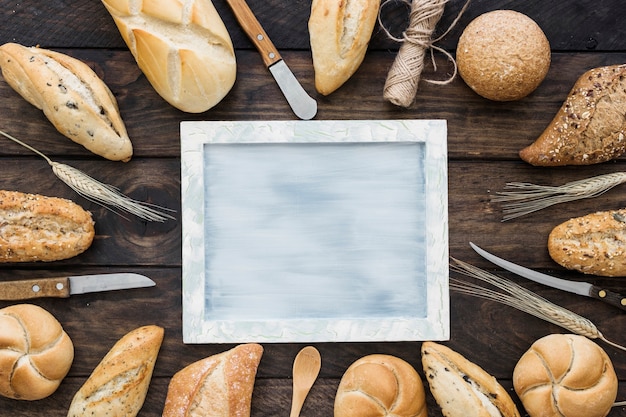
<point x="378" y="386"/>
<point x="35" y="352"/>
<point x="565" y="375"/>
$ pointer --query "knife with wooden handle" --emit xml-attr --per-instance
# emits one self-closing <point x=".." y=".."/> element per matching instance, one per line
<point x="63" y="287"/>
<point x="304" y="106"/>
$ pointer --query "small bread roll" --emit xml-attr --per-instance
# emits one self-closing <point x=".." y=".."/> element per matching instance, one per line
<point x="339" y="33"/>
<point x="73" y="98"/>
<point x="380" y="386"/>
<point x="40" y="228"/>
<point x="565" y="375"/>
<point x="35" y="352"/>
<point x="182" y="47"/>
<point x="218" y="386"/>
<point x="503" y="55"/>
<point x="117" y="387"/>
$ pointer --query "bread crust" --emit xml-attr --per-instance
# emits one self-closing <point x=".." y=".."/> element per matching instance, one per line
<point x="339" y="33"/>
<point x="34" y="227"/>
<point x="220" y="385"/>
<point x="70" y="94"/>
<point x="590" y="126"/>
<point x="182" y="47"/>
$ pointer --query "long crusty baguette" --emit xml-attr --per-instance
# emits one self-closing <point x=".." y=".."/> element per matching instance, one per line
<point x="590" y="126"/>
<point x="462" y="388"/>
<point x="218" y="386"/>
<point x="34" y="227"/>
<point x="182" y="47"/>
<point x="339" y="33"/>
<point x="592" y="244"/>
<point x="73" y="98"/>
<point x="117" y="387"/>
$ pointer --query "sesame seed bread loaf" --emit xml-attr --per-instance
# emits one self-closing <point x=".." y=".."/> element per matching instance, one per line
<point x="590" y="126"/>
<point x="593" y="244"/>
<point x="38" y="228"/>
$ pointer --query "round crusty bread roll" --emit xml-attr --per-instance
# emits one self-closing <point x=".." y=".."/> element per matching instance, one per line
<point x="503" y="55"/>
<point x="379" y="386"/>
<point x="565" y="375"/>
<point x="35" y="352"/>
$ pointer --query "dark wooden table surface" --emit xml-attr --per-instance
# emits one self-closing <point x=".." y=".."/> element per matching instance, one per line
<point x="483" y="140"/>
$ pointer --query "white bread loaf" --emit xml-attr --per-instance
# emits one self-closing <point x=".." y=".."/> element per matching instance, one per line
<point x="218" y="386"/>
<point x="117" y="387"/>
<point x="35" y="352"/>
<point x="462" y="388"/>
<point x="380" y="386"/>
<point x="565" y="375"/>
<point x="71" y="95"/>
<point x="40" y="228"/>
<point x="182" y="47"/>
<point x="339" y="33"/>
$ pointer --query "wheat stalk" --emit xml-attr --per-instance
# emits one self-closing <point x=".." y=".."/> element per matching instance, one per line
<point x="518" y="297"/>
<point x="528" y="198"/>
<point x="102" y="194"/>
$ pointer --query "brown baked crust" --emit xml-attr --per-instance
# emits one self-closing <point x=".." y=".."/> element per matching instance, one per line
<point x="218" y="386"/>
<point x="462" y="388"/>
<point x="590" y="126"/>
<point x="34" y="227"/>
<point x="592" y="244"/>
<point x="565" y="375"/>
<point x="378" y="386"/>
<point x="35" y="352"/>
<point x="503" y="55"/>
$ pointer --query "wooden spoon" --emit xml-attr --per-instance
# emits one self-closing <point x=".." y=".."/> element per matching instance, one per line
<point x="306" y="368"/>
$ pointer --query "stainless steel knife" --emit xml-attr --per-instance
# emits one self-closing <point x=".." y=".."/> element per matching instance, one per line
<point x="581" y="288"/>
<point x="63" y="287"/>
<point x="303" y="105"/>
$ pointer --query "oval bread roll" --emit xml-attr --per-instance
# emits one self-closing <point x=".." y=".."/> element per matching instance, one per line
<point x="35" y="352"/>
<point x="379" y="386"/>
<point x="182" y="47"/>
<point x="565" y="375"/>
<point x="73" y="98"/>
<point x="40" y="228"/>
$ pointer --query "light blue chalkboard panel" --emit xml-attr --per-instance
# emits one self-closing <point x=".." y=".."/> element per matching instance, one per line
<point x="308" y="231"/>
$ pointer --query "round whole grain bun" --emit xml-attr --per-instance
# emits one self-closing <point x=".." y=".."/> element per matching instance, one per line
<point x="503" y="55"/>
<point x="35" y="352"/>
<point x="565" y="375"/>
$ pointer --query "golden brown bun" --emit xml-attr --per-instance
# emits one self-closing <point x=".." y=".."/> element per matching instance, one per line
<point x="40" y="228"/>
<point x="35" y="352"/>
<point x="218" y="386"/>
<point x="565" y="375"/>
<point x="379" y="386"/>
<point x="339" y="33"/>
<point x="71" y="95"/>
<point x="592" y="244"/>
<point x="503" y="55"/>
<point x="462" y="388"/>
<point x="183" y="49"/>
<point x="117" y="387"/>
<point x="589" y="127"/>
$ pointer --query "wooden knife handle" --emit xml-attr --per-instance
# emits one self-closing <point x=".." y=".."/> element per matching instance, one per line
<point x="35" y="288"/>
<point x="255" y="31"/>
<point x="608" y="297"/>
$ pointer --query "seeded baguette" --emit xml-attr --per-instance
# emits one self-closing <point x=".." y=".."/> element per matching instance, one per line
<point x="590" y="126"/>
<point x="70" y="94"/>
<point x="34" y="227"/>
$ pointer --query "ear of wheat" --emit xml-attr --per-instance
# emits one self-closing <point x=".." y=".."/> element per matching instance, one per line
<point x="103" y="194"/>
<point x="523" y="198"/>
<point x="518" y="297"/>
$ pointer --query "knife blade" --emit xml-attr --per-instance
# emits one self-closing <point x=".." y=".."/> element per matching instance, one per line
<point x="303" y="105"/>
<point x="581" y="288"/>
<point x="63" y="287"/>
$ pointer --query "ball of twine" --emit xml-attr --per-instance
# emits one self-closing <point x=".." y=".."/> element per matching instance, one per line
<point x="405" y="73"/>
